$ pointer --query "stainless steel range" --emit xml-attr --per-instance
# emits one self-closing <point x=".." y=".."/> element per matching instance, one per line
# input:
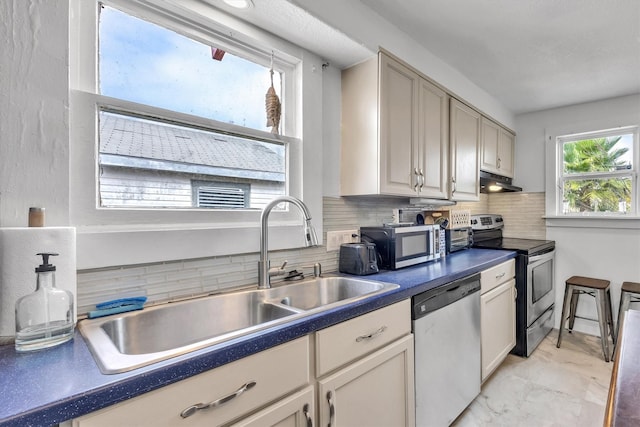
<point x="534" y="279"/>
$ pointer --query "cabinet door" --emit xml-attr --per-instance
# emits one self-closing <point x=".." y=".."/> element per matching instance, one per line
<point x="296" y="410"/>
<point x="465" y="156"/>
<point x="506" y="146"/>
<point x="490" y="137"/>
<point x="433" y="141"/>
<point x="498" y="325"/>
<point x="398" y="128"/>
<point x="377" y="390"/>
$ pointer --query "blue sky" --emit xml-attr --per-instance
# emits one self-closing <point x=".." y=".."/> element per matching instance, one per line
<point x="145" y="63"/>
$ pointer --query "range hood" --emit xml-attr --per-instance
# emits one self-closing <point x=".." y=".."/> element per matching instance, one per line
<point x="492" y="183"/>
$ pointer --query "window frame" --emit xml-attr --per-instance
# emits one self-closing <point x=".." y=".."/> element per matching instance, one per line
<point x="553" y="164"/>
<point x="632" y="173"/>
<point x="166" y="234"/>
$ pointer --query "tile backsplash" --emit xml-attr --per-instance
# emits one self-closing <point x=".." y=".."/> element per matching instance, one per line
<point x="183" y="279"/>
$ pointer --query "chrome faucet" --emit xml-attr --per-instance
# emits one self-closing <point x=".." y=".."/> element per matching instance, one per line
<point x="264" y="268"/>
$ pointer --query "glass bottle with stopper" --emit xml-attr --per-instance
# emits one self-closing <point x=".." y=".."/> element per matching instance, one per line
<point x="45" y="317"/>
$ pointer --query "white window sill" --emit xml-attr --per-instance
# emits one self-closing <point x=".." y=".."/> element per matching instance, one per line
<point x="603" y="221"/>
<point x="107" y="246"/>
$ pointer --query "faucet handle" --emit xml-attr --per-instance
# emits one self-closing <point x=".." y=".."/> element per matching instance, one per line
<point x="278" y="271"/>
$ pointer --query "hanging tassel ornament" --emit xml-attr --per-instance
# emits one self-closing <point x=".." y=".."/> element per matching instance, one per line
<point x="272" y="103"/>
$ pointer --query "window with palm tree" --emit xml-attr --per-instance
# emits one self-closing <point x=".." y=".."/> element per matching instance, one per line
<point x="598" y="172"/>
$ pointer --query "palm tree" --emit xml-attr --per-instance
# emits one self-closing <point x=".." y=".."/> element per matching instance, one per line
<point x="595" y="194"/>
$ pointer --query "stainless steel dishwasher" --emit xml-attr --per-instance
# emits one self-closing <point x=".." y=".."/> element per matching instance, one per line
<point x="446" y="327"/>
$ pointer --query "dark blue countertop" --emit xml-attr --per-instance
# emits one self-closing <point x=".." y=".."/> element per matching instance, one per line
<point x="64" y="382"/>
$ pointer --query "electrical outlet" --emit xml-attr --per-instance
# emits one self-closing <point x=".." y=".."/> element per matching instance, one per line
<point x="336" y="238"/>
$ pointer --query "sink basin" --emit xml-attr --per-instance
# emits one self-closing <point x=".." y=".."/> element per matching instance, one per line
<point x="128" y="341"/>
<point x="181" y="324"/>
<point x="325" y="292"/>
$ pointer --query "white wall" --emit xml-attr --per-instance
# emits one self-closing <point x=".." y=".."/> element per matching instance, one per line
<point x="584" y="248"/>
<point x="34" y="102"/>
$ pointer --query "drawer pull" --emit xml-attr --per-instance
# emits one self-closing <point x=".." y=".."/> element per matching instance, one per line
<point x="500" y="276"/>
<point x="198" y="406"/>
<point x="307" y="415"/>
<point x="332" y="409"/>
<point x="371" y="335"/>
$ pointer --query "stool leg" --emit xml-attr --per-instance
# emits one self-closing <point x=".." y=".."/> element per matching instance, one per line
<point x="565" y="308"/>
<point x="600" y="305"/>
<point x="612" y="329"/>
<point x="625" y="298"/>
<point x="572" y="309"/>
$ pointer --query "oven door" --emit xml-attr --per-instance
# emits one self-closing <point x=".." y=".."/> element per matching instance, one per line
<point x="540" y="288"/>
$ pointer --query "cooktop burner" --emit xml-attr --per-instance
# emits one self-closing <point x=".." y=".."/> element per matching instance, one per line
<point x="487" y="234"/>
<point x="525" y="246"/>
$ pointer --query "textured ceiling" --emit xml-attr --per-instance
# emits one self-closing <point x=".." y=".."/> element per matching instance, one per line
<point x="528" y="54"/>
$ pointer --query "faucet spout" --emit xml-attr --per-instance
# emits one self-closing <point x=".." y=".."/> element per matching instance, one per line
<point x="311" y="239"/>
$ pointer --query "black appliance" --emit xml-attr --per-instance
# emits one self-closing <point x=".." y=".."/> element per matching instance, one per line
<point x="358" y="258"/>
<point x="401" y="246"/>
<point x="457" y="239"/>
<point x="492" y="183"/>
<point x="534" y="279"/>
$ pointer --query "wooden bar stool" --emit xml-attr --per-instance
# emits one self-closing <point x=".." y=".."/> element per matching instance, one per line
<point x="600" y="290"/>
<point x="630" y="292"/>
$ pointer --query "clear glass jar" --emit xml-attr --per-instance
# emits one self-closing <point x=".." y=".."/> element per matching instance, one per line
<point x="44" y="318"/>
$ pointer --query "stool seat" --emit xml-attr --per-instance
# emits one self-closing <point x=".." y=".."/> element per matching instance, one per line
<point x="632" y="287"/>
<point x="601" y="291"/>
<point x="589" y="282"/>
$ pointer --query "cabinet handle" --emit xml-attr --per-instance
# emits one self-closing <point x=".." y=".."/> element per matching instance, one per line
<point x="515" y="293"/>
<point x="498" y="163"/>
<point x="500" y="276"/>
<point x="332" y="409"/>
<point x="453" y="182"/>
<point x="417" y="176"/>
<point x="421" y="179"/>
<point x="307" y="415"/>
<point x="198" y="406"/>
<point x="371" y="335"/>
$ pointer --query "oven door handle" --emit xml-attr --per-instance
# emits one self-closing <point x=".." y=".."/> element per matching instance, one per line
<point x="541" y="258"/>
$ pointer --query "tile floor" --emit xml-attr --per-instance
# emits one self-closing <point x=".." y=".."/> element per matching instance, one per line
<point x="565" y="386"/>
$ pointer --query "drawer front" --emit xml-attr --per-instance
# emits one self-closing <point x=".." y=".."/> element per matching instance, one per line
<point x="276" y="372"/>
<point x="347" y="341"/>
<point x="494" y="276"/>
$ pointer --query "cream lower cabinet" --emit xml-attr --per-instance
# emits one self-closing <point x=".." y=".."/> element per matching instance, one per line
<point x="498" y="315"/>
<point x="268" y="377"/>
<point x="373" y="384"/>
<point x="296" y="410"/>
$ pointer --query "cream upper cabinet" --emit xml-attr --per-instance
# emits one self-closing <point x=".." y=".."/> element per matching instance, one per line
<point x="394" y="131"/>
<point x="497" y="149"/>
<point x="465" y="152"/>
<point x="498" y="315"/>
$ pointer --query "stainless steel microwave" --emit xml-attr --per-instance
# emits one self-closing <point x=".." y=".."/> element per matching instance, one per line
<point x="403" y="246"/>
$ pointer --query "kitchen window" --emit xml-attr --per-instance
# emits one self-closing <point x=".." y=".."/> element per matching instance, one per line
<point x="146" y="126"/>
<point x="597" y="173"/>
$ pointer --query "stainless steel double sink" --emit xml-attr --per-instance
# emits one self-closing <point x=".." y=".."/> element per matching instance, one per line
<point x="128" y="341"/>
